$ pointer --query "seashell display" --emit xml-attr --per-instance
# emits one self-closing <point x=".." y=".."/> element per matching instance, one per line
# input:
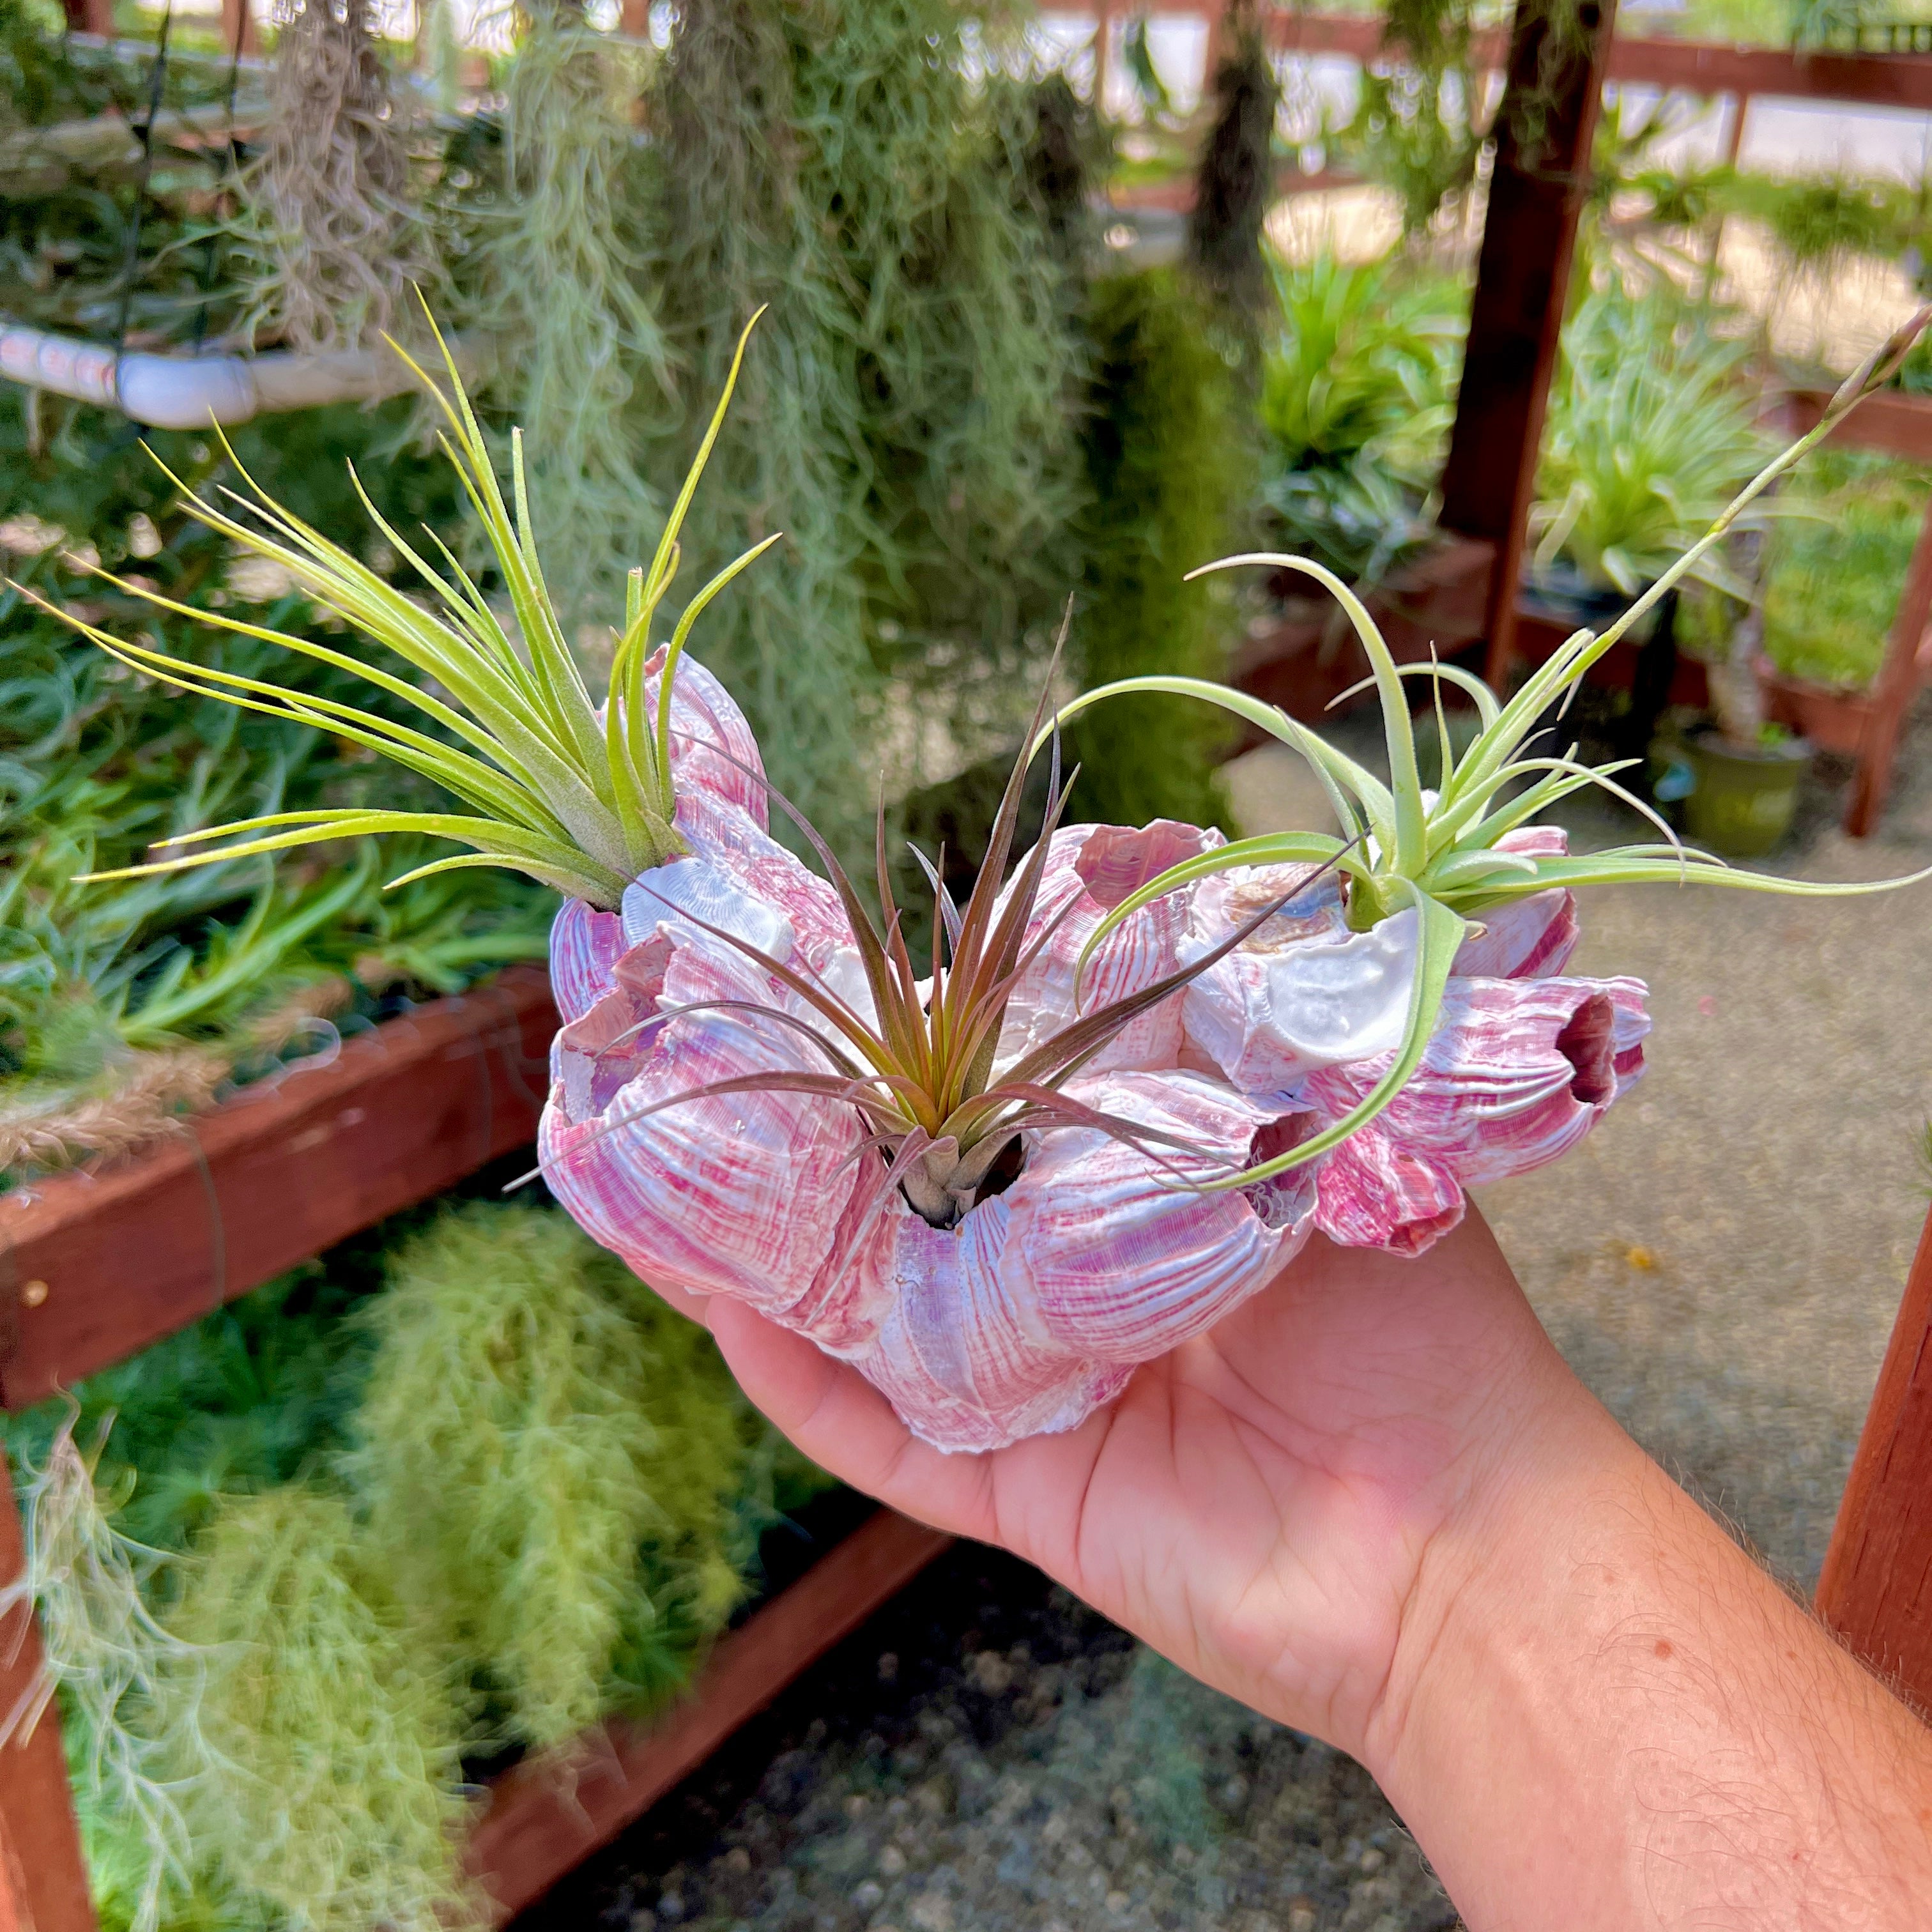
<point x="1037" y="1303"/>
<point x="1141" y="1072"/>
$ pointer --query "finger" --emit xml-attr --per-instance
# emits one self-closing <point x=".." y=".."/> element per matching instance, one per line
<point x="844" y="1425"/>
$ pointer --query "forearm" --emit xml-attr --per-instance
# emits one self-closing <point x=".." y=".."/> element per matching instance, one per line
<point x="1603" y="1714"/>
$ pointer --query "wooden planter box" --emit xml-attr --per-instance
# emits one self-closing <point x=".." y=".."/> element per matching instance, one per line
<point x="544" y="1818"/>
<point x="95" y="1266"/>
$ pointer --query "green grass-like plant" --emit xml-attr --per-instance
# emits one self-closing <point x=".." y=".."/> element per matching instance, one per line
<point x="1359" y="369"/>
<point x="1650" y="432"/>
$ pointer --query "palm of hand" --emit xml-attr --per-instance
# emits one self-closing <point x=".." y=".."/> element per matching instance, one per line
<point x="1258" y="1505"/>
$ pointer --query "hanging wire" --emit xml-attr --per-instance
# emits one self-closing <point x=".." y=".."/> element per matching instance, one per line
<point x="158" y="81"/>
<point x="227" y="173"/>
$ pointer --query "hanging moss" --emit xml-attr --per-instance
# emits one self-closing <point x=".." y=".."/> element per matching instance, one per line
<point x="1163" y="450"/>
<point x="548" y="1456"/>
<point x="1234" y="182"/>
<point x="338" y="1795"/>
<point x="339" y="236"/>
<point x="543" y="214"/>
<point x="902" y="414"/>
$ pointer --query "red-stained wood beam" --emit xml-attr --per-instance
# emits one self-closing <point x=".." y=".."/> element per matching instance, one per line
<point x="1537" y="188"/>
<point x="1893" y="690"/>
<point x="1875" y="1588"/>
<point x="42" y="1878"/>
<point x="547" y="1816"/>
<point x="1691" y="66"/>
<point x="89" y="17"/>
<point x="94" y="1267"/>
<point x="238" y="33"/>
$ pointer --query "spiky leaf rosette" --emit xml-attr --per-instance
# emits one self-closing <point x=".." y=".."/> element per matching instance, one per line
<point x="578" y="800"/>
<point x="919" y="1059"/>
<point x="1439" y="852"/>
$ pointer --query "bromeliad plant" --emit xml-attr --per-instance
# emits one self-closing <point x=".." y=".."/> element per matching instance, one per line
<point x="920" y="1060"/>
<point x="577" y="796"/>
<point x="1452" y="857"/>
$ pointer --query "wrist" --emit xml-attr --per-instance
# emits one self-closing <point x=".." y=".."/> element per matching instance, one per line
<point x="1527" y="1547"/>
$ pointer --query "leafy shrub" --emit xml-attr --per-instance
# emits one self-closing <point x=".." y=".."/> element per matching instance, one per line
<point x="1834" y="571"/>
<point x="1358" y="377"/>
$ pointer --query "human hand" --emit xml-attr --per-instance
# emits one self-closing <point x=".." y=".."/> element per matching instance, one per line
<point x="1259" y="1504"/>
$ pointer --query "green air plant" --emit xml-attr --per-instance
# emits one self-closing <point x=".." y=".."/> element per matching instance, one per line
<point x="1434" y="851"/>
<point x="338" y="1730"/>
<point x="577" y="802"/>
<point x="550" y="1457"/>
<point x="1651" y="431"/>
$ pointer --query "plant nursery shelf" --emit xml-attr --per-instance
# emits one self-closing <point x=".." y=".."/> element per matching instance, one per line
<point x="95" y="1266"/>
<point x="545" y="1817"/>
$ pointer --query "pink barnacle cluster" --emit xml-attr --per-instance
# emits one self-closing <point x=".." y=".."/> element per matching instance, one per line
<point x="1104" y="1249"/>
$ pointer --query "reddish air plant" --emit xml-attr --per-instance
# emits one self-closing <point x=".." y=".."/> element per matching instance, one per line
<point x="920" y="1061"/>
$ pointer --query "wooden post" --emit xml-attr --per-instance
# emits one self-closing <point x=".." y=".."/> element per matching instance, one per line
<point x="90" y="16"/>
<point x="238" y="28"/>
<point x="1544" y="130"/>
<point x="1893" y="690"/>
<point x="43" y="1879"/>
<point x="1103" y="34"/>
<point x="1875" y="1588"/>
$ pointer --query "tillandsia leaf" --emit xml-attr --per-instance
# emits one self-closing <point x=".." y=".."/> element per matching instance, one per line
<point x="1406" y="815"/>
<point x="1439" y="934"/>
<point x="1354" y="791"/>
<point x="580" y="804"/>
<point x="1267" y="848"/>
<point x="1438" y="853"/>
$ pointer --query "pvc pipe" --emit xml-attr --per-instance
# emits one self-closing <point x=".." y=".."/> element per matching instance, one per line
<point x="192" y="391"/>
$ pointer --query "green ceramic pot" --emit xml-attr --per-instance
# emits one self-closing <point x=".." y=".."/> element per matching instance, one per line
<point x="1741" y="798"/>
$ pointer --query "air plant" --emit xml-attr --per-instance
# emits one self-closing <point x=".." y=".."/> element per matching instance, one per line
<point x="329" y="209"/>
<point x="1454" y="860"/>
<point x="578" y="799"/>
<point x="919" y="1060"/>
<point x="1139" y="1073"/>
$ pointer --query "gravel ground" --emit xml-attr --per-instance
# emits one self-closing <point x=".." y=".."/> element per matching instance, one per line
<point x="1721" y="1261"/>
<point x="988" y="1755"/>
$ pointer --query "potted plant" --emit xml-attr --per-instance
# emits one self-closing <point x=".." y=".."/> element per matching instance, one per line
<point x="1358" y="374"/>
<point x="1650" y="433"/>
<point x="1135" y="1076"/>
